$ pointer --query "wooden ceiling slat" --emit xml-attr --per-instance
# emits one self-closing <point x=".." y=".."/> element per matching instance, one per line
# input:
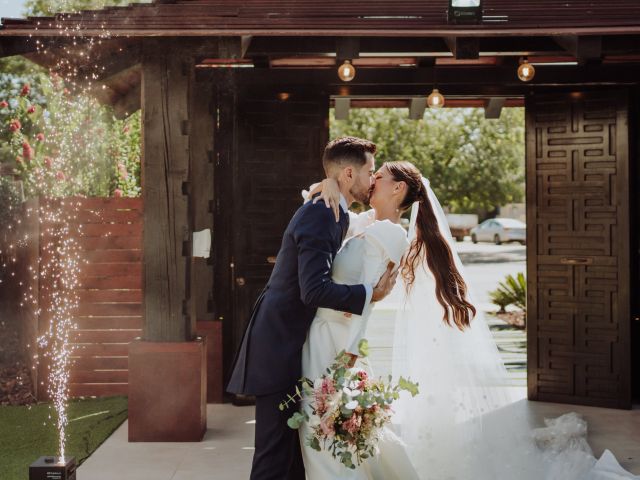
<point x="350" y="15"/>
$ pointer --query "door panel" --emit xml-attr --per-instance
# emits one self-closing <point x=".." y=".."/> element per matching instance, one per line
<point x="578" y="249"/>
<point x="278" y="149"/>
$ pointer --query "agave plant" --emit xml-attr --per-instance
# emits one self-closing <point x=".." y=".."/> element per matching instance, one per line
<point x="513" y="291"/>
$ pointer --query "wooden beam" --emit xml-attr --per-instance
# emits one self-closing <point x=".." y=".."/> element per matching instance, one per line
<point x="201" y="182"/>
<point x="493" y="107"/>
<point x="16" y="46"/>
<point x="113" y="65"/>
<point x="129" y="103"/>
<point x="233" y="47"/>
<point x="583" y="49"/>
<point x="490" y="78"/>
<point x="347" y="48"/>
<point x="342" y="106"/>
<point x="417" y="108"/>
<point x="463" y="48"/>
<point x="165" y="172"/>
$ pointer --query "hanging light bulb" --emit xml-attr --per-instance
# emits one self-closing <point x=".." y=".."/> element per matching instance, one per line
<point x="435" y="99"/>
<point x="526" y="71"/>
<point x="346" y="71"/>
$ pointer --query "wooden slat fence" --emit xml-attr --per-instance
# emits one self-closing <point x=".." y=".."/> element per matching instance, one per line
<point x="109" y="315"/>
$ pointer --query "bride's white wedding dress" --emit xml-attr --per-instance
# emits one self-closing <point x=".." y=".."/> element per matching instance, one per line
<point x="462" y="425"/>
<point x="363" y="258"/>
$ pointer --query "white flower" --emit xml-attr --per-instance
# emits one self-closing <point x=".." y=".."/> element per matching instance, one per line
<point x="351" y="405"/>
<point x="314" y="421"/>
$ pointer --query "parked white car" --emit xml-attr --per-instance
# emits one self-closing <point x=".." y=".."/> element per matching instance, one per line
<point x="498" y="230"/>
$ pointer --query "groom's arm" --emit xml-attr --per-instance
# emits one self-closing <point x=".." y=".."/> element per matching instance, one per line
<point x="315" y="237"/>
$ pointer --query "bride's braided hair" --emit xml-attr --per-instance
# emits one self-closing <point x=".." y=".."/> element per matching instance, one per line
<point x="451" y="289"/>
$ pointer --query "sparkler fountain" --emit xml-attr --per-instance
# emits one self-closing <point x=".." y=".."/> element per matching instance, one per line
<point x="63" y="158"/>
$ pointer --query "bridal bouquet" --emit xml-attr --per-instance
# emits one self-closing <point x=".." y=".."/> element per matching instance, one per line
<point x="347" y="409"/>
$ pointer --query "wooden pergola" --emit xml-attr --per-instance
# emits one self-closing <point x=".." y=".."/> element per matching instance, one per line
<point x="235" y="98"/>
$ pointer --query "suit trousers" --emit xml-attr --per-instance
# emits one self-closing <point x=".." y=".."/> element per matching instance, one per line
<point x="277" y="453"/>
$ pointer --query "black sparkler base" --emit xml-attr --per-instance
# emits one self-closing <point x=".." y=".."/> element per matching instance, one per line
<point x="53" y="468"/>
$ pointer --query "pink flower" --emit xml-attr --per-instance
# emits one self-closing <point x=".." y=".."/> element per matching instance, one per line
<point x="32" y="109"/>
<point x="40" y="137"/>
<point x="328" y="386"/>
<point x="60" y="175"/>
<point x="326" y="425"/>
<point x="126" y="129"/>
<point x="4" y="104"/>
<point x="353" y="424"/>
<point x="66" y="91"/>
<point x="25" y="90"/>
<point x="117" y="193"/>
<point x="27" y="151"/>
<point x="48" y="162"/>
<point x="15" y="125"/>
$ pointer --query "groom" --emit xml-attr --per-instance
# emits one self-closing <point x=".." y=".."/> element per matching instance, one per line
<point x="268" y="364"/>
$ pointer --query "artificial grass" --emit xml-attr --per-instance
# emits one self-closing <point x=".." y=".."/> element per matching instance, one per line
<point x="27" y="433"/>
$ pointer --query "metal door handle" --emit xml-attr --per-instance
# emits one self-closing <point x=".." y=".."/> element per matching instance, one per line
<point x="576" y="261"/>
<point x="271" y="260"/>
<point x="240" y="281"/>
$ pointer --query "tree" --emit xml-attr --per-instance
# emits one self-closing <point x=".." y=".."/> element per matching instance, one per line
<point x="51" y="7"/>
<point x="474" y="164"/>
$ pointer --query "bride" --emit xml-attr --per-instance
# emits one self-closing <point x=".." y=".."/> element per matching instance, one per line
<point x="460" y="425"/>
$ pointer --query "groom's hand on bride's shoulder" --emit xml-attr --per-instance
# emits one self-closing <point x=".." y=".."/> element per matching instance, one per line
<point x="386" y="283"/>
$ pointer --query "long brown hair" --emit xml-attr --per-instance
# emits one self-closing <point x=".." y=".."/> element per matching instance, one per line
<point x="451" y="289"/>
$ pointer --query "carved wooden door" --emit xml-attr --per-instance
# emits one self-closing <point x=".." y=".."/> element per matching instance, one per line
<point x="578" y="248"/>
<point x="277" y="147"/>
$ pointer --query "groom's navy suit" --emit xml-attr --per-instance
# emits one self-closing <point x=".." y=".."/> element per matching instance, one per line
<point x="268" y="364"/>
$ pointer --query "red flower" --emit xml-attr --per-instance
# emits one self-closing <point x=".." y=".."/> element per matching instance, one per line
<point x="60" y="175"/>
<point x="32" y="109"/>
<point x="40" y="137"/>
<point x="3" y="104"/>
<point x="25" y="90"/>
<point x="48" y="162"/>
<point x="27" y="151"/>
<point x="15" y="125"/>
<point x="117" y="193"/>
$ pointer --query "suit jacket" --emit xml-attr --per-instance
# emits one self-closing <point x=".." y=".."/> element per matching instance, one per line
<point x="270" y="356"/>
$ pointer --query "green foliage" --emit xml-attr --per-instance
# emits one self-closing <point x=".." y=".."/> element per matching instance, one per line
<point x="363" y="347"/>
<point x="51" y="7"/>
<point x="10" y="198"/>
<point x="474" y="164"/>
<point x="513" y="291"/>
<point x="125" y="152"/>
<point x="29" y="432"/>
<point x="62" y="144"/>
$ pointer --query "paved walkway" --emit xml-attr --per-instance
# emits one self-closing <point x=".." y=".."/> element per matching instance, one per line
<point x="226" y="452"/>
<point x="227" y="449"/>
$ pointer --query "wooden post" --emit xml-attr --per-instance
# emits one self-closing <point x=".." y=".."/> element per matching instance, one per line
<point x="169" y="359"/>
<point x="201" y="208"/>
<point x="165" y="104"/>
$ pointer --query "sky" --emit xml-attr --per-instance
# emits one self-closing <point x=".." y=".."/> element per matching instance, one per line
<point x="11" y="8"/>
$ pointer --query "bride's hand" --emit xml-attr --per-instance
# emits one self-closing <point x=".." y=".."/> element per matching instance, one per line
<point x="330" y="193"/>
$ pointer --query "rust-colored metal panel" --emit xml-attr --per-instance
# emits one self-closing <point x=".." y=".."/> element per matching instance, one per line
<point x="578" y="248"/>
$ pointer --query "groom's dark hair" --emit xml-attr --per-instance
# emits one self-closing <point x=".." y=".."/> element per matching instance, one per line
<point x="347" y="150"/>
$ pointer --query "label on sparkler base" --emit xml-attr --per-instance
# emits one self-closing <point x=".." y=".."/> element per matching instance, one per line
<point x="58" y="469"/>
